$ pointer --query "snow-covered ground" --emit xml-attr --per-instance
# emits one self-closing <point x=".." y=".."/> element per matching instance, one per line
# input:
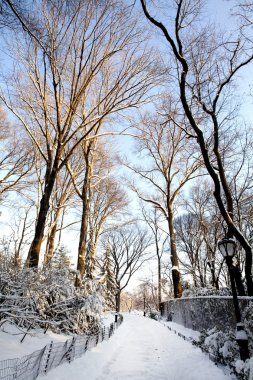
<point x="141" y="349"/>
<point x="188" y="333"/>
<point x="11" y="336"/>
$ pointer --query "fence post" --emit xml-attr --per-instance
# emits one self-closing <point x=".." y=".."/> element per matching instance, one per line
<point x="111" y="330"/>
<point x="71" y="349"/>
<point x="86" y="344"/>
<point x="97" y="339"/>
<point x="48" y="356"/>
<point x="15" y="375"/>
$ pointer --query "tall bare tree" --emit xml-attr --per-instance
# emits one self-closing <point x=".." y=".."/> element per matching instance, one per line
<point x="100" y="194"/>
<point x="169" y="165"/>
<point x="206" y="69"/>
<point x="153" y="219"/>
<point x="85" y="68"/>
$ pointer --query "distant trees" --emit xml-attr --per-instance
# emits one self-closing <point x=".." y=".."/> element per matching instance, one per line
<point x="206" y="68"/>
<point x="100" y="194"/>
<point x="168" y="164"/>
<point x="129" y="250"/>
<point x="198" y="230"/>
<point x="153" y="220"/>
<point x="85" y="68"/>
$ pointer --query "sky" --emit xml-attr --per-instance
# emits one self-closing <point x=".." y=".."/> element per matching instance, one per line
<point x="219" y="10"/>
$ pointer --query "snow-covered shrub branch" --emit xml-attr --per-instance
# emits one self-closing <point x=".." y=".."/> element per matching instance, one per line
<point x="223" y="349"/>
<point x="49" y="299"/>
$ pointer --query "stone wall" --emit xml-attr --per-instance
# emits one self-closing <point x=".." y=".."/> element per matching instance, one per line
<point x="204" y="312"/>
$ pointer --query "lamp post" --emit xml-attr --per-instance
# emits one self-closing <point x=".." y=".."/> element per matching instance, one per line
<point x="227" y="248"/>
<point x="144" y="304"/>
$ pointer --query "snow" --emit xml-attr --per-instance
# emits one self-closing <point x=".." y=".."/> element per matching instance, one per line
<point x="188" y="333"/>
<point x="141" y="349"/>
<point x="241" y="335"/>
<point x="251" y="369"/>
<point x="11" y="336"/>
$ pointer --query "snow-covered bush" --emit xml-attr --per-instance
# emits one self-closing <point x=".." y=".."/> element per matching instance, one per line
<point x="206" y="292"/>
<point x="108" y="280"/>
<point x="48" y="299"/>
<point x="223" y="348"/>
<point x="247" y="316"/>
<point x="153" y="314"/>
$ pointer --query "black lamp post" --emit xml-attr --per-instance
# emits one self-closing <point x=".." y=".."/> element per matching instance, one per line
<point x="144" y="304"/>
<point x="227" y="248"/>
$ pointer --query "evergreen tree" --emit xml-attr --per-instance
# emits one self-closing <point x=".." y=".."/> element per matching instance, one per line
<point x="108" y="280"/>
<point x="61" y="259"/>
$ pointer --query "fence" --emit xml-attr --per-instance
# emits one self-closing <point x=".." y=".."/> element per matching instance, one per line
<point x="214" y="358"/>
<point x="29" y="367"/>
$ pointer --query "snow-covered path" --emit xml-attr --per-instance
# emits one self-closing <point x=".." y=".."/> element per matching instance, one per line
<point x="141" y="349"/>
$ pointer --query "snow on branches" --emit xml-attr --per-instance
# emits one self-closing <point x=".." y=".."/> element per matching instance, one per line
<point x="48" y="299"/>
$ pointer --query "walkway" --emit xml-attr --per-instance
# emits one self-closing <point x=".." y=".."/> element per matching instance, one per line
<point x="141" y="349"/>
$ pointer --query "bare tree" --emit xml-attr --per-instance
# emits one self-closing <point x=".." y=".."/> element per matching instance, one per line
<point x="61" y="200"/>
<point x="153" y="219"/>
<point x="16" y="159"/>
<point x="21" y="232"/>
<point x="85" y="68"/>
<point x="206" y="67"/>
<point x="169" y="166"/>
<point x="128" y="248"/>
<point x="100" y="194"/>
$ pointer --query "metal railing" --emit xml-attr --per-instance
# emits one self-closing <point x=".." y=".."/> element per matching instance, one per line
<point x="29" y="367"/>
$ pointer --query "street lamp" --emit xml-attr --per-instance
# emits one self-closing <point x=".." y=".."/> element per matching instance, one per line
<point x="227" y="248"/>
<point x="144" y="304"/>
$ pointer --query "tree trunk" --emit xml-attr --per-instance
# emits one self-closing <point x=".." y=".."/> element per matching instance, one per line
<point x="84" y="224"/>
<point x="34" y="252"/>
<point x="117" y="300"/>
<point x="176" y="278"/>
<point x="51" y="239"/>
<point x="217" y="185"/>
<point x="215" y="281"/>
<point x="90" y="260"/>
<point x="177" y="49"/>
<point x="159" y="282"/>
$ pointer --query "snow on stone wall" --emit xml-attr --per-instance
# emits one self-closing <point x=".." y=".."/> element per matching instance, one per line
<point x="200" y="313"/>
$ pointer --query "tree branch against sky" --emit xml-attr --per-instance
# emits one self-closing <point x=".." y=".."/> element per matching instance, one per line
<point x="129" y="251"/>
<point x="94" y="67"/>
<point x="168" y="164"/>
<point x="207" y="65"/>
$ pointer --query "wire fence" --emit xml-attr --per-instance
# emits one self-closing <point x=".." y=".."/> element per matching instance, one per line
<point x="216" y="359"/>
<point x="29" y="367"/>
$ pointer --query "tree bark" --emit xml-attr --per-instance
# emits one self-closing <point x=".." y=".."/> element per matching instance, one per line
<point x="84" y="224"/>
<point x="159" y="281"/>
<point x="174" y="258"/>
<point x="117" y="299"/>
<point x="51" y="239"/>
<point x="34" y="252"/>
